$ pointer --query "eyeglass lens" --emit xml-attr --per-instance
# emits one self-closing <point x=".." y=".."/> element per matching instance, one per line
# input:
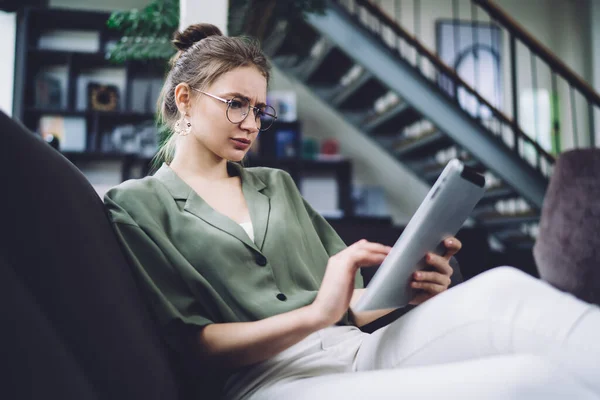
<point x="239" y="108"/>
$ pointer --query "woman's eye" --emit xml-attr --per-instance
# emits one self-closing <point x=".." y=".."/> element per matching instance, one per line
<point x="236" y="104"/>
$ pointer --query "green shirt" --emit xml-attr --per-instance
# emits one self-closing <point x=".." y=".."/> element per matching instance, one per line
<point x="196" y="266"/>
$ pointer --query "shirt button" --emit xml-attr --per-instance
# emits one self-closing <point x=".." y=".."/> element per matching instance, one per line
<point x="282" y="297"/>
<point x="261" y="260"/>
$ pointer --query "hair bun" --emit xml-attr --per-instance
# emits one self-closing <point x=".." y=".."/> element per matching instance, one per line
<point x="194" y="33"/>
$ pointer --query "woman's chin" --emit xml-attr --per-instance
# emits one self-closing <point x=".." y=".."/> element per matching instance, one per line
<point x="236" y="156"/>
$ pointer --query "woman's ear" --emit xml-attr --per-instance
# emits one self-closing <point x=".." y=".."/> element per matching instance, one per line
<point x="183" y="97"/>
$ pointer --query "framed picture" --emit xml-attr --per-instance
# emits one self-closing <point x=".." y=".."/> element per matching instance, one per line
<point x="102" y="97"/>
<point x="474" y="51"/>
<point x="48" y="91"/>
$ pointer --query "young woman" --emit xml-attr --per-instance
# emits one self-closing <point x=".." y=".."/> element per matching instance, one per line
<point x="241" y="272"/>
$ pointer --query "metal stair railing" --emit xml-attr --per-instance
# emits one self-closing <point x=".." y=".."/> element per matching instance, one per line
<point x="576" y="86"/>
<point x="429" y="65"/>
<point x="380" y="39"/>
<point x="574" y="106"/>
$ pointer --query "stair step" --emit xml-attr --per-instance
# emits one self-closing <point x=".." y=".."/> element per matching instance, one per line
<point x="286" y="62"/>
<point x="334" y="65"/>
<point x="302" y="40"/>
<point x="375" y="119"/>
<point x="360" y="94"/>
<point x="398" y="122"/>
<point x="515" y="238"/>
<point x="392" y="121"/>
<point x="493" y="220"/>
<point x="427" y="144"/>
<point x="355" y="117"/>
<point x="521" y="241"/>
<point x="306" y="68"/>
<point x="344" y="92"/>
<point x="496" y="193"/>
<point x="274" y="42"/>
<point x="323" y="91"/>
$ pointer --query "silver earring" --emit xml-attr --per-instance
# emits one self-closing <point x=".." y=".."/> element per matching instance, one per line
<point x="183" y="127"/>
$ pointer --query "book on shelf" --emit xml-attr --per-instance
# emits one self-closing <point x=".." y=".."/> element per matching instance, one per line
<point x="287" y="144"/>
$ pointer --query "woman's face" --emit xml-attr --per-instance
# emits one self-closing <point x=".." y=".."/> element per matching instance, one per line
<point x="210" y="126"/>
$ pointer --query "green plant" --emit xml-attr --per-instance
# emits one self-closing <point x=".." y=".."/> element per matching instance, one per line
<point x="146" y="32"/>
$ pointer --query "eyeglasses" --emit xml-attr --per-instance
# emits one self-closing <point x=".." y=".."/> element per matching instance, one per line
<point x="238" y="109"/>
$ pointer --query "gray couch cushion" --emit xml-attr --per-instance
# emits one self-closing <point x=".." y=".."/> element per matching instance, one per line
<point x="567" y="251"/>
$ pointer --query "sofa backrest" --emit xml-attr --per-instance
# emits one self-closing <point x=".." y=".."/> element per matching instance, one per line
<point x="57" y="239"/>
<point x="36" y="362"/>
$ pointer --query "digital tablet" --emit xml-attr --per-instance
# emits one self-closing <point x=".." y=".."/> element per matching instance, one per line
<point x="444" y="210"/>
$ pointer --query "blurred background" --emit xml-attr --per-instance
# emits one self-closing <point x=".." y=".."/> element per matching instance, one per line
<point x="373" y="97"/>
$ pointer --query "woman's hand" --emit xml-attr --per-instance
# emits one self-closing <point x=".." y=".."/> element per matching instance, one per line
<point x="337" y="287"/>
<point x="431" y="283"/>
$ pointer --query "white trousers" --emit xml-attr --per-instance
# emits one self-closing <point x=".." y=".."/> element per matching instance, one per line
<point x="501" y="335"/>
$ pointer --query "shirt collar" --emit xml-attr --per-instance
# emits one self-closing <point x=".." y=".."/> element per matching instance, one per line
<point x="181" y="190"/>
<point x="252" y="186"/>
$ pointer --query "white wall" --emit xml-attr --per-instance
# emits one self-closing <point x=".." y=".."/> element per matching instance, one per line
<point x="207" y="11"/>
<point x="7" y="65"/>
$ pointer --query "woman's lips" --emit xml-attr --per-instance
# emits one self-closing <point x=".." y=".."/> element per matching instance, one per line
<point x="241" y="143"/>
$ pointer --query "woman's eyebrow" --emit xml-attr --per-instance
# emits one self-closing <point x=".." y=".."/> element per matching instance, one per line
<point x="243" y="96"/>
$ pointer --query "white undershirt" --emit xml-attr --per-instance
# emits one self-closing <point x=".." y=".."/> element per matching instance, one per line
<point x="248" y="228"/>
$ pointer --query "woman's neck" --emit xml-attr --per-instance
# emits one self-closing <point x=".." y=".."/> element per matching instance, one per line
<point x="189" y="162"/>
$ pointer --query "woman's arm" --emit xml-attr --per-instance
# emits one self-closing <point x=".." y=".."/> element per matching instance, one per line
<point x="236" y="344"/>
<point x="362" y="318"/>
<point x="233" y="345"/>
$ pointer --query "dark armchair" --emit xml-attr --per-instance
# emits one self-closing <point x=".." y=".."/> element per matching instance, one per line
<point x="74" y="324"/>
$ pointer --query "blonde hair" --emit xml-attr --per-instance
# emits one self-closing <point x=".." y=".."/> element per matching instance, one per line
<point x="204" y="55"/>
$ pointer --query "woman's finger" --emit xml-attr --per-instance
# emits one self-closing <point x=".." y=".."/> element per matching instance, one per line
<point x="431" y="288"/>
<point x="453" y="246"/>
<point x="432" y="277"/>
<point x="363" y="255"/>
<point x="372" y="246"/>
<point x="366" y="258"/>
<point x="440" y="264"/>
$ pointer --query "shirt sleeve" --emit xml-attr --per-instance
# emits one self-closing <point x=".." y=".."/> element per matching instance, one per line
<point x="178" y="313"/>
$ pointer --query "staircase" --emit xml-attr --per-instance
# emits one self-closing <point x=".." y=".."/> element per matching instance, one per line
<point x="387" y="84"/>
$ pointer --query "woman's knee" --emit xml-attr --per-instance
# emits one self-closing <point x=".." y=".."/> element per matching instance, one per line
<point x="492" y="292"/>
<point x="503" y="280"/>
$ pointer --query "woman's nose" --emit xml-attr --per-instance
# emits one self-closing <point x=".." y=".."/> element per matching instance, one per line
<point x="250" y="123"/>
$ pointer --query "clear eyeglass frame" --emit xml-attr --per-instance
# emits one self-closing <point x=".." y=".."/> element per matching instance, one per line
<point x="238" y="109"/>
